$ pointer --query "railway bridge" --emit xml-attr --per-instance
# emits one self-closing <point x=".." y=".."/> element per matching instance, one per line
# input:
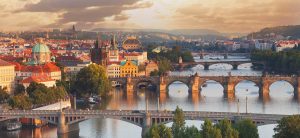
<point x="67" y="120"/>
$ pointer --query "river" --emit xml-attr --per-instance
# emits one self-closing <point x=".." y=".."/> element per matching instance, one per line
<point x="211" y="99"/>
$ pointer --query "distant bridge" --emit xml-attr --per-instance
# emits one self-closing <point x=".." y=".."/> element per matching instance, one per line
<point x="225" y="54"/>
<point x="195" y="83"/>
<point x="207" y="64"/>
<point x="68" y="120"/>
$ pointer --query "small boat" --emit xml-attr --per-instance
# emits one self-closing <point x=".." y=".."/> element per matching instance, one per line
<point x="92" y="100"/>
<point x="13" y="126"/>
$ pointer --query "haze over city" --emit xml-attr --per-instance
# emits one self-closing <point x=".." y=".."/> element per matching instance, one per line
<point x="226" y="16"/>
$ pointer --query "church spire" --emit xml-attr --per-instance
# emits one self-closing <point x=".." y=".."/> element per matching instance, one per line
<point x="113" y="43"/>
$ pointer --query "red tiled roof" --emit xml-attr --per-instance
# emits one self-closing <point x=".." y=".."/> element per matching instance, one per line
<point x="37" y="79"/>
<point x="5" y="63"/>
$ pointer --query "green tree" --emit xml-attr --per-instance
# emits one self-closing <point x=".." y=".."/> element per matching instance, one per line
<point x="20" y="101"/>
<point x="154" y="73"/>
<point x="247" y="129"/>
<point x="210" y="131"/>
<point x="226" y="129"/>
<point x="192" y="132"/>
<point x="288" y="127"/>
<point x="19" y="89"/>
<point x="92" y="80"/>
<point x="3" y="94"/>
<point x="178" y="123"/>
<point x="34" y="86"/>
<point x="159" y="131"/>
<point x="164" y="65"/>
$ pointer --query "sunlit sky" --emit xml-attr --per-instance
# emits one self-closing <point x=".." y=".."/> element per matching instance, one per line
<point x="221" y="15"/>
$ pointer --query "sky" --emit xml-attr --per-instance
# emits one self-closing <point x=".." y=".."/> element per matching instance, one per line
<point x="226" y="16"/>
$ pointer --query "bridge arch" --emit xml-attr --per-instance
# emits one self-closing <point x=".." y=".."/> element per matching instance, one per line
<point x="180" y="81"/>
<point x="219" y="84"/>
<point x="146" y="82"/>
<point x="282" y="87"/>
<point x="210" y="65"/>
<point x="247" y="87"/>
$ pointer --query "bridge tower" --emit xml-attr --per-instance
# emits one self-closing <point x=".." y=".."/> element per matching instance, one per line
<point x="129" y="86"/>
<point x="195" y="83"/>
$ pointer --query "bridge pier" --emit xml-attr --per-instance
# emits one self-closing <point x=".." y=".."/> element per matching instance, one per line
<point x="146" y="124"/>
<point x="62" y="127"/>
<point x="206" y="67"/>
<point x="129" y="86"/>
<point x="229" y="90"/>
<point x="234" y="67"/>
<point x="226" y="56"/>
<point x="297" y="89"/>
<point x="195" y="83"/>
<point x="264" y="90"/>
<point x="162" y="85"/>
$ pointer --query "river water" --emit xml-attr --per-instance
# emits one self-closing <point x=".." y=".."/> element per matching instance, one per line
<point x="281" y="101"/>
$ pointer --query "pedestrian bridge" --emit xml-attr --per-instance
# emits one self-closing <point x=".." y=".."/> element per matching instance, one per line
<point x="68" y="120"/>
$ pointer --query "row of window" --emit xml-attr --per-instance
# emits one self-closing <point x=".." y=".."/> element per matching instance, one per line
<point x="3" y="78"/>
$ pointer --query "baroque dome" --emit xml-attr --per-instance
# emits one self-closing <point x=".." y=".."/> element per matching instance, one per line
<point x="40" y="48"/>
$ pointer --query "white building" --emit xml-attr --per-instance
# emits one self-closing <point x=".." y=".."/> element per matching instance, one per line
<point x="282" y="45"/>
<point x="113" y="70"/>
<point x="263" y="44"/>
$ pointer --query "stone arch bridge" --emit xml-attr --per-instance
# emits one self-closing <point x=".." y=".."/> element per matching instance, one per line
<point x="68" y="120"/>
<point x="195" y="82"/>
<point x="207" y="64"/>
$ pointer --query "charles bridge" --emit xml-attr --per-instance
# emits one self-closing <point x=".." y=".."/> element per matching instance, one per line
<point x="67" y="120"/>
<point x="195" y="82"/>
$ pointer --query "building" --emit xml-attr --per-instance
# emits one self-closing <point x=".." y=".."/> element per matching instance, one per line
<point x="99" y="53"/>
<point x="113" y="70"/>
<point x="72" y="65"/>
<point x="43" y="79"/>
<point x="113" y="53"/>
<point x="263" y="44"/>
<point x="150" y="66"/>
<point x="128" y="68"/>
<point x="289" y="44"/>
<point x="40" y="54"/>
<point x="131" y="43"/>
<point x="7" y="76"/>
<point x="140" y="57"/>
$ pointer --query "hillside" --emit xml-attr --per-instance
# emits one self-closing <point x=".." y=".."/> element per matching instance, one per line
<point x="285" y="31"/>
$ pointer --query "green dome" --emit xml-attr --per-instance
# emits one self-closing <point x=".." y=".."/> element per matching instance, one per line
<point x="40" y="48"/>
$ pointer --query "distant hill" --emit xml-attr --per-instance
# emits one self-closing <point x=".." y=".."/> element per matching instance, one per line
<point x="174" y="32"/>
<point x="157" y="35"/>
<point x="285" y="31"/>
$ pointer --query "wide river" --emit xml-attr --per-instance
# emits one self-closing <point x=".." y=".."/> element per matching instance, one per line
<point x="211" y="99"/>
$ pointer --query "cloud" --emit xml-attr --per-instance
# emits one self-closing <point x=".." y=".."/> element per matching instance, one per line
<point x="221" y="15"/>
<point x="85" y="12"/>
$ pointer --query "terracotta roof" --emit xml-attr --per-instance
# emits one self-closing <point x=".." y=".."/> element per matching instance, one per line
<point x="37" y="79"/>
<point x="5" y="63"/>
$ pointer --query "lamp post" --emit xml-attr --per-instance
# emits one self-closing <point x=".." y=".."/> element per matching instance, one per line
<point x="246" y="105"/>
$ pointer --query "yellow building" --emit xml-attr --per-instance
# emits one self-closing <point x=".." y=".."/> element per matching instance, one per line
<point x="129" y="68"/>
<point x="7" y="76"/>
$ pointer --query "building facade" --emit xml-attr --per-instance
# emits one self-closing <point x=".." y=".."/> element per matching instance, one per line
<point x="128" y="68"/>
<point x="131" y="43"/>
<point x="7" y="76"/>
